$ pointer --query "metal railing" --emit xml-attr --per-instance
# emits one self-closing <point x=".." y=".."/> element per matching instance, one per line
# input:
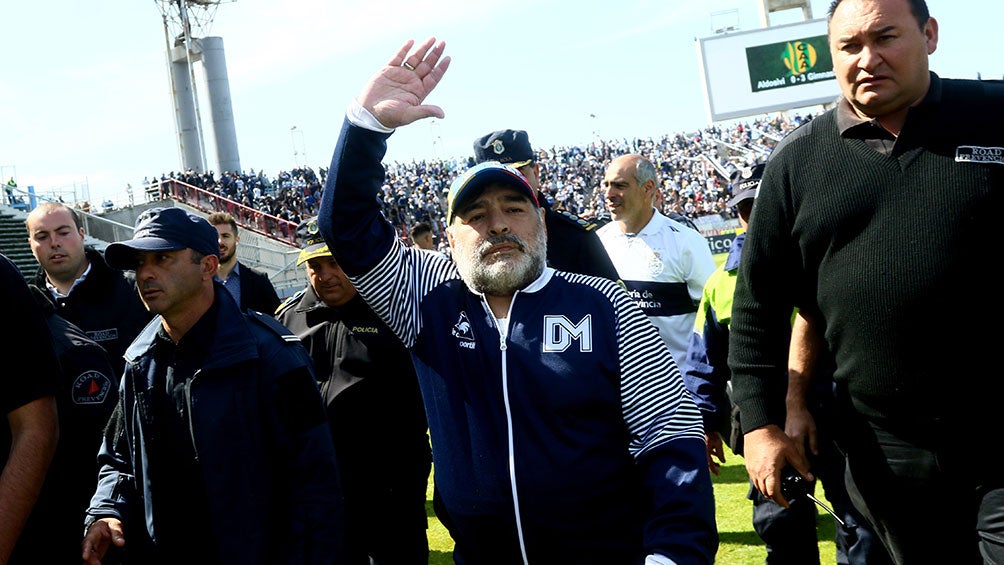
<point x="208" y="202"/>
<point x="95" y="225"/>
<point x="286" y="276"/>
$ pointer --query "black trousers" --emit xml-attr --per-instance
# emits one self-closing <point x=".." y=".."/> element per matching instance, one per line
<point x="932" y="500"/>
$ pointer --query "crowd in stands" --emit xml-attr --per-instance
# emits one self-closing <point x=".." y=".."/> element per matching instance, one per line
<point x="291" y="195"/>
<point x="694" y="169"/>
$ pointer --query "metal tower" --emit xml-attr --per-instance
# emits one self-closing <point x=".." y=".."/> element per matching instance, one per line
<point x="186" y="23"/>
<point x="767" y="7"/>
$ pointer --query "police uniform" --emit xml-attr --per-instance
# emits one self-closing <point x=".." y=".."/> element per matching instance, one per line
<point x="24" y="337"/>
<point x="104" y="304"/>
<point x="87" y="395"/>
<point x="572" y="245"/>
<point x="218" y="450"/>
<point x="376" y="416"/>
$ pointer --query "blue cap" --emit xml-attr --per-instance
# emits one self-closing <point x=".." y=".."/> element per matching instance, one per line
<point x="746" y="183"/>
<point x="164" y="229"/>
<point x="474" y="180"/>
<point x="509" y="146"/>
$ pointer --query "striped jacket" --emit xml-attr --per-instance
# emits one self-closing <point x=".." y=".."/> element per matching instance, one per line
<point x="565" y="435"/>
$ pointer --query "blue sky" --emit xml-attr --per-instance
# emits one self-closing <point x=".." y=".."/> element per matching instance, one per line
<point x="85" y="100"/>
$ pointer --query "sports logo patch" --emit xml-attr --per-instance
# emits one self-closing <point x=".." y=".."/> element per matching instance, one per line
<point x="977" y="154"/>
<point x="560" y="333"/>
<point x="463" y="332"/>
<point x="655" y="264"/>
<point x="90" y="387"/>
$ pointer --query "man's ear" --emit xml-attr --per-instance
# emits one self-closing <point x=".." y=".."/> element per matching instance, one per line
<point x="449" y="235"/>
<point x="931" y="34"/>
<point x="210" y="265"/>
<point x="649" y="188"/>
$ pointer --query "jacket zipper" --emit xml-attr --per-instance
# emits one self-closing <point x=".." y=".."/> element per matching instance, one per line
<point x="503" y="348"/>
<point x="190" y="416"/>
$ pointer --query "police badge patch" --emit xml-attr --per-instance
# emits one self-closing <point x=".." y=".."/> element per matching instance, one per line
<point x="91" y="387"/>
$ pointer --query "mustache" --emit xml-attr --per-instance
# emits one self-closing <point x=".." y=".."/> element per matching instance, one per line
<point x="499" y="239"/>
<point x="148" y="286"/>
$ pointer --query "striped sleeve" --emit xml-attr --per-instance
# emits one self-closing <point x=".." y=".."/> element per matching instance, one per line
<point x="656" y="406"/>
<point x="394" y="288"/>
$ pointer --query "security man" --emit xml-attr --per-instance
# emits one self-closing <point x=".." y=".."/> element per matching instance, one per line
<point x="789" y="534"/>
<point x="87" y="395"/>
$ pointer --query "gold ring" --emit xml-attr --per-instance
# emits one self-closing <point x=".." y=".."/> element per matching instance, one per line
<point x="408" y="66"/>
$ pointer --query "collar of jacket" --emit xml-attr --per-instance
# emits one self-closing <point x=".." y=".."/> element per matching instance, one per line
<point x="231" y="343"/>
<point x="536" y="285"/>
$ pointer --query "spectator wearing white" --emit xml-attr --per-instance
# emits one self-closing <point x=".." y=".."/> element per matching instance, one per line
<point x="662" y="263"/>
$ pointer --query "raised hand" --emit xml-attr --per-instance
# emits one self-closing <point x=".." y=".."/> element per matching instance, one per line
<point x="396" y="93"/>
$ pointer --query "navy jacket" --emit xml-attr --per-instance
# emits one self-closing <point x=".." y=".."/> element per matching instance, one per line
<point x="259" y="431"/>
<point x="105" y="305"/>
<point x="572" y="245"/>
<point x="87" y="395"/>
<point x="568" y="438"/>
<point x="257" y="292"/>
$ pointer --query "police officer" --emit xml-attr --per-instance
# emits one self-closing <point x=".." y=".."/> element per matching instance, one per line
<point x="86" y="397"/>
<point x="28" y="414"/>
<point x="572" y="244"/>
<point x="374" y="409"/>
<point x="218" y="450"/>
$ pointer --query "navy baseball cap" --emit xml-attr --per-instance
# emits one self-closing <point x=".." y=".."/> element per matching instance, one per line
<point x="745" y="183"/>
<point x="508" y="146"/>
<point x="474" y="180"/>
<point x="164" y="229"/>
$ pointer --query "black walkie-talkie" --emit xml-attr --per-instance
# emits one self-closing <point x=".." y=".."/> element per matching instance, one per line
<point x="794" y="485"/>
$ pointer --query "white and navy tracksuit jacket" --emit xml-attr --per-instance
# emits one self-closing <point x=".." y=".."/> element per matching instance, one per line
<point x="568" y="438"/>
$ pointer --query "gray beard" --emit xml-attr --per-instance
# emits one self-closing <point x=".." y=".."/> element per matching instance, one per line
<point x="504" y="277"/>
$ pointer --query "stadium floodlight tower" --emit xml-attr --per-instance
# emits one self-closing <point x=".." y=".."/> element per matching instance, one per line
<point x="767" y="7"/>
<point x="185" y="23"/>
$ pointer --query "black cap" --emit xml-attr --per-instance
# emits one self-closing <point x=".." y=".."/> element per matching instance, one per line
<point x="745" y="183"/>
<point x="164" y="229"/>
<point x="311" y="243"/>
<point x="508" y="146"/>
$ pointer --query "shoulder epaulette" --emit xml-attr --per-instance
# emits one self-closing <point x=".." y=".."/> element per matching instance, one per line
<point x="575" y="219"/>
<point x="273" y="325"/>
<point x="290" y="302"/>
<point x="599" y="221"/>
